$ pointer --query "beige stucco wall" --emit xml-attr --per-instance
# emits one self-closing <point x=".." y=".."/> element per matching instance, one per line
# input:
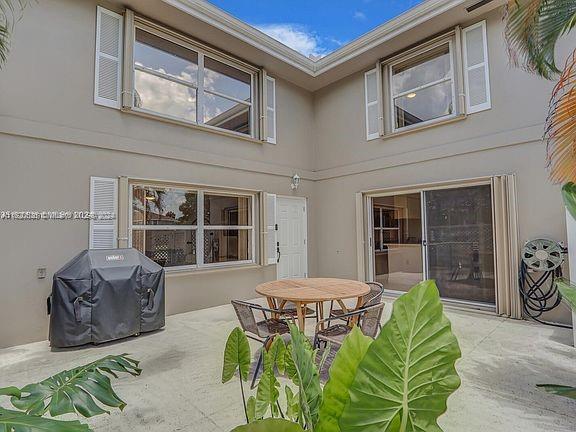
<point x="503" y="140"/>
<point x="43" y="175"/>
<point x="53" y="138"/>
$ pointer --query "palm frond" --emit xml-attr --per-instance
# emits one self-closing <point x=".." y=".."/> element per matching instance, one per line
<point x="532" y="29"/>
<point x="560" y="133"/>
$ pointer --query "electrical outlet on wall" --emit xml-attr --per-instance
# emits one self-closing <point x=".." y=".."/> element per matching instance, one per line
<point x="41" y="272"/>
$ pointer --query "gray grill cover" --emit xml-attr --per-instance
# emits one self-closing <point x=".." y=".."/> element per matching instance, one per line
<point x="106" y="294"/>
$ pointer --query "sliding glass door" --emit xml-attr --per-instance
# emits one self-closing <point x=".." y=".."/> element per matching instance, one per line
<point x="441" y="234"/>
<point x="459" y="243"/>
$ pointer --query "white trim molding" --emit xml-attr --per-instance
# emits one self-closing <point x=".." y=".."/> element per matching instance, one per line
<point x="227" y="23"/>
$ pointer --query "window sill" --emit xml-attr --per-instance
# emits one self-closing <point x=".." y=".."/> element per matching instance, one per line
<point x="175" y="121"/>
<point x="425" y="126"/>
<point x="215" y="269"/>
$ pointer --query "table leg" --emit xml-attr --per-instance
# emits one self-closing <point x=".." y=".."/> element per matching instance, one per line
<point x="272" y="305"/>
<point x="359" y="304"/>
<point x="343" y="306"/>
<point x="320" y="308"/>
<point x="300" y="312"/>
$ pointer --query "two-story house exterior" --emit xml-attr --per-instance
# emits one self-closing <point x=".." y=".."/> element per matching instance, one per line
<point x="412" y="152"/>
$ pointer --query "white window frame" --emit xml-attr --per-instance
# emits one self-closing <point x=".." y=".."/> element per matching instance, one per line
<point x="421" y="52"/>
<point x="381" y="228"/>
<point x="200" y="228"/>
<point x="202" y="52"/>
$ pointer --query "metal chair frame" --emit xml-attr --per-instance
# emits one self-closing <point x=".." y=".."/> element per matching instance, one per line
<point x="264" y="340"/>
<point x="358" y="313"/>
<point x="374" y="297"/>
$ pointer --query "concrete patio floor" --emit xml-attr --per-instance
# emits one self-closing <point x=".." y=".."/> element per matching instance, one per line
<point x="180" y="387"/>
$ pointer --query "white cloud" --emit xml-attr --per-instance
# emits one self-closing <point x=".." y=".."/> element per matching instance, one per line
<point x="359" y="15"/>
<point x="296" y="37"/>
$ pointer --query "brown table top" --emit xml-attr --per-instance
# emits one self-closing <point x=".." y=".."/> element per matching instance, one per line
<point x="311" y="290"/>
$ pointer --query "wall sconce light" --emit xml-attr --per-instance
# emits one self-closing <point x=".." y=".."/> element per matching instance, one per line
<point x="295" y="182"/>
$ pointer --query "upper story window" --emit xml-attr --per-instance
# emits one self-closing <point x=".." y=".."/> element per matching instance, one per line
<point x="429" y="84"/>
<point x="422" y="88"/>
<point x="145" y="68"/>
<point x="184" y="84"/>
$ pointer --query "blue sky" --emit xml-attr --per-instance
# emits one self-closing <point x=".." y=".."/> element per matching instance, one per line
<point x="315" y="27"/>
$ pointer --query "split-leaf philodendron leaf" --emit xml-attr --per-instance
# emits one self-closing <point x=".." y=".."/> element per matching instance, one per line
<point x="18" y="421"/>
<point x="77" y="390"/>
<point x="270" y="425"/>
<point x="404" y="380"/>
<point x="236" y="356"/>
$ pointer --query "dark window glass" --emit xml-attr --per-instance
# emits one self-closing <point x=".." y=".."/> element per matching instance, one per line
<point x="226" y="114"/>
<point x="227" y="210"/>
<point x="227" y="80"/>
<point x="227" y="245"/>
<point x="168" y="248"/>
<point x="165" y="57"/>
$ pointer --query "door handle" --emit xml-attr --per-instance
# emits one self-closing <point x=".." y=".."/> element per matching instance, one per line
<point x="278" y="254"/>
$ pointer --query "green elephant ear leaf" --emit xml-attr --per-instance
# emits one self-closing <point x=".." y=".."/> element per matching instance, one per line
<point x="289" y="366"/>
<point x="270" y="425"/>
<point x="342" y="373"/>
<point x="251" y="409"/>
<point x="569" y="197"/>
<point x="307" y="376"/>
<point x="560" y="390"/>
<point x="236" y="356"/>
<point x="267" y="393"/>
<point x="77" y="390"/>
<point x="18" y="421"/>
<point x="275" y="356"/>
<point x="404" y="380"/>
<point x="568" y="292"/>
<point x="292" y="404"/>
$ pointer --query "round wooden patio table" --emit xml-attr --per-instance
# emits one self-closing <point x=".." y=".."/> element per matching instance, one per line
<point x="312" y="290"/>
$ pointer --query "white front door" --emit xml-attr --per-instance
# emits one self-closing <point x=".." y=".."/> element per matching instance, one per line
<point x="292" y="234"/>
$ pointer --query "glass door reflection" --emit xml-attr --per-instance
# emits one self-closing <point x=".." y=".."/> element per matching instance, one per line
<point x="397" y="236"/>
<point x="459" y="243"/>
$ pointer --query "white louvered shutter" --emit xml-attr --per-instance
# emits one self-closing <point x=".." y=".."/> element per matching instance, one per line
<point x="476" y="71"/>
<point x="371" y="98"/>
<point x="271" y="230"/>
<point x="271" y="110"/>
<point x="103" y="200"/>
<point x="108" y="62"/>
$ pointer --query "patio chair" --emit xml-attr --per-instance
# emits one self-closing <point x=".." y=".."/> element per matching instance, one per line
<point x="261" y="331"/>
<point x="374" y="297"/>
<point x="369" y="322"/>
